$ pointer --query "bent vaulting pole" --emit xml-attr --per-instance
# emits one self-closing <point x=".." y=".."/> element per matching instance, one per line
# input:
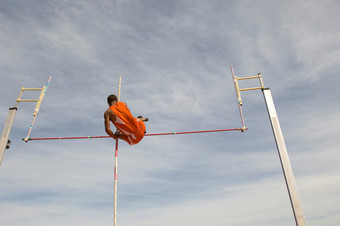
<point x="284" y="158"/>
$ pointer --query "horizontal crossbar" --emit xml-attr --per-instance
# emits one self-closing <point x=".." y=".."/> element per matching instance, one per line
<point x="150" y="134"/>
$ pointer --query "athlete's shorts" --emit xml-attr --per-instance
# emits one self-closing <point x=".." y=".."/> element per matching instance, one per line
<point x="138" y="136"/>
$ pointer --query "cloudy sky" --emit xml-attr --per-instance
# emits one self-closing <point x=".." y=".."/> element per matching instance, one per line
<point x="174" y="59"/>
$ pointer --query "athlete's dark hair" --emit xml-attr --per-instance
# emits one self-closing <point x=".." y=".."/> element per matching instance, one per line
<point x="111" y="98"/>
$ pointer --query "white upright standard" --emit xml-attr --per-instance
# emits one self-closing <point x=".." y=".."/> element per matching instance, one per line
<point x="285" y="162"/>
<point x="6" y="131"/>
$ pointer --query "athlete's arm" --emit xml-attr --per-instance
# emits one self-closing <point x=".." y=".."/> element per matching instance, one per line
<point x="108" y="115"/>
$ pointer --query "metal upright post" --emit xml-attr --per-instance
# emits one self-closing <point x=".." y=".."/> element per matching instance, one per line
<point x="8" y="126"/>
<point x="4" y="140"/>
<point x="6" y="131"/>
<point x="280" y="143"/>
<point x="284" y="158"/>
<point x="239" y="99"/>
<point x="39" y="101"/>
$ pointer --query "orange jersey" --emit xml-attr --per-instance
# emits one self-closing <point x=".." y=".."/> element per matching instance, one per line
<point x="131" y="127"/>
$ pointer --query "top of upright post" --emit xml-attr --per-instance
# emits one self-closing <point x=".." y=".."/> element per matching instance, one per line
<point x="4" y="139"/>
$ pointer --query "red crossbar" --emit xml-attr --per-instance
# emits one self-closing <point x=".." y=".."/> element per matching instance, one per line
<point x="148" y="134"/>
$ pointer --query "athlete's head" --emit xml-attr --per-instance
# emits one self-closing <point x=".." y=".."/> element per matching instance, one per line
<point x="112" y="98"/>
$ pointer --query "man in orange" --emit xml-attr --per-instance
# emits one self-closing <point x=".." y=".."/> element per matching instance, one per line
<point x="129" y="128"/>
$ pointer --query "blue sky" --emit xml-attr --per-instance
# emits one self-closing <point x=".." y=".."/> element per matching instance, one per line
<point x="174" y="59"/>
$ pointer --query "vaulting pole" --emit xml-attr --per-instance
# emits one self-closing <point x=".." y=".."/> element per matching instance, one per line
<point x="116" y="168"/>
<point x="115" y="186"/>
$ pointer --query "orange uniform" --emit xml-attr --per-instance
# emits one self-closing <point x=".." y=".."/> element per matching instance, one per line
<point x="132" y="128"/>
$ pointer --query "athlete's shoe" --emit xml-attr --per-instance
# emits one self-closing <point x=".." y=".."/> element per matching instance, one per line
<point x="144" y="119"/>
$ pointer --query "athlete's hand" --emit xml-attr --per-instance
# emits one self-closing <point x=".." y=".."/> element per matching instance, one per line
<point x="117" y="135"/>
